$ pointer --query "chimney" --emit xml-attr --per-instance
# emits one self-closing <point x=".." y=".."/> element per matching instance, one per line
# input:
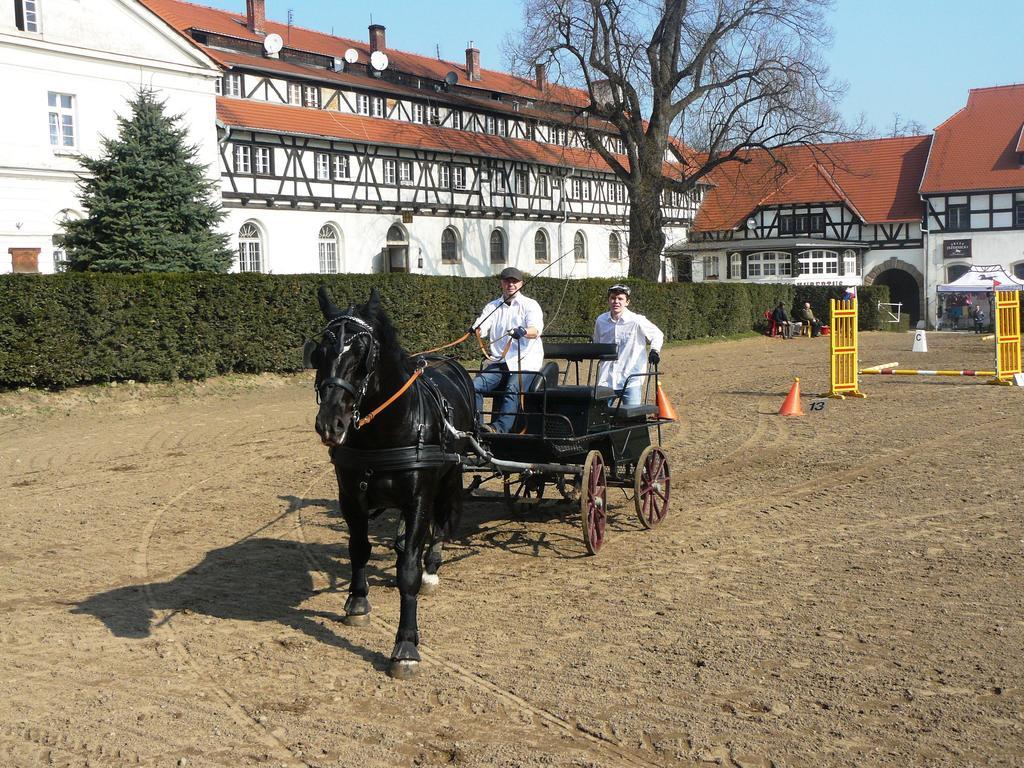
<point x="377" y="41"/>
<point x="542" y="77"/>
<point x="256" y="16"/>
<point x="472" y="63"/>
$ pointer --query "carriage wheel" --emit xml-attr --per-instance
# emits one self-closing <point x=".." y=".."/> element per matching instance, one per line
<point x="523" y="489"/>
<point x="593" y="501"/>
<point x="651" y="486"/>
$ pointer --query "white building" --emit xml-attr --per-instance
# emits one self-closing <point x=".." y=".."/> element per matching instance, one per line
<point x="70" y="68"/>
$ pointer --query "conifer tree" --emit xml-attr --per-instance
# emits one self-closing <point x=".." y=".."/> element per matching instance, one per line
<point x="150" y="207"/>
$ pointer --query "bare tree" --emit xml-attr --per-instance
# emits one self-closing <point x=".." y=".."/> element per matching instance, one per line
<point x="900" y="127"/>
<point x="711" y="79"/>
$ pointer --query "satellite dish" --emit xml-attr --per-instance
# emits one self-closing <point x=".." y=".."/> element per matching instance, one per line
<point x="379" y="60"/>
<point x="751" y="224"/>
<point x="273" y="43"/>
<point x="451" y="78"/>
<point x="351" y="55"/>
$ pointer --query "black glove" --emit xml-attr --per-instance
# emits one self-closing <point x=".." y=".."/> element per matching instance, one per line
<point x="653" y="357"/>
<point x="518" y="333"/>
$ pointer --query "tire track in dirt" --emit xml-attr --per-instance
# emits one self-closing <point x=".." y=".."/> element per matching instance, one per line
<point x="595" y="741"/>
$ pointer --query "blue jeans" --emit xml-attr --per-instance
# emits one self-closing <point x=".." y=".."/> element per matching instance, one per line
<point x="497" y="376"/>
<point x="629" y="396"/>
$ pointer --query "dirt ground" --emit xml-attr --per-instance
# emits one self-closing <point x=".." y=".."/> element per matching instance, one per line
<point x="842" y="589"/>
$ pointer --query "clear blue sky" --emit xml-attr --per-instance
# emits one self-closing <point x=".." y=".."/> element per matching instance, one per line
<point x="917" y="58"/>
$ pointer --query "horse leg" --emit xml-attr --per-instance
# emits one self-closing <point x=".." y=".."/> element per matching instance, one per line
<point x="357" y="606"/>
<point x="447" y="512"/>
<point x="405" y="658"/>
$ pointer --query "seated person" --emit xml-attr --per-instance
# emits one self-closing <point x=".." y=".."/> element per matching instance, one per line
<point x="630" y="333"/>
<point x="808" y="317"/>
<point x="521" y="318"/>
<point x="782" y="321"/>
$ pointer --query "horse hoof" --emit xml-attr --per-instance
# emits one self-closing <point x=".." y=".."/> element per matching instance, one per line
<point x="429" y="584"/>
<point x="357" y="619"/>
<point x="404" y="670"/>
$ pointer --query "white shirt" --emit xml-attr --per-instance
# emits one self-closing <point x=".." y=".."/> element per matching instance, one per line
<point x="630" y="334"/>
<point x="498" y="318"/>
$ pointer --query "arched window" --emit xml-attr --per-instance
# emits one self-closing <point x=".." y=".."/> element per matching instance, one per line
<point x="614" y="254"/>
<point x="1018" y="271"/>
<point x="449" y="246"/>
<point x="579" y="246"/>
<point x="250" y="248"/>
<point x="397" y="249"/>
<point x="540" y="247"/>
<point x="328" y="249"/>
<point x="497" y="247"/>
<point x="735" y="266"/>
<point x="769" y="264"/>
<point x="953" y="271"/>
<point x="819" y="262"/>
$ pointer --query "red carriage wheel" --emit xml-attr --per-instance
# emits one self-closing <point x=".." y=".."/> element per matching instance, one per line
<point x="651" y="486"/>
<point x="593" y="501"/>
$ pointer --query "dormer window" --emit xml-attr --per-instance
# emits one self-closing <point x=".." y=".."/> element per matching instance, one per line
<point x="26" y="15"/>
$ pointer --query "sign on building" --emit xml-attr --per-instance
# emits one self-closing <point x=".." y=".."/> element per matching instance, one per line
<point x="956" y="249"/>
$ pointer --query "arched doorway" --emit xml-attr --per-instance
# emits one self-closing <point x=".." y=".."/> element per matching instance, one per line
<point x="903" y="288"/>
<point x="397" y="250"/>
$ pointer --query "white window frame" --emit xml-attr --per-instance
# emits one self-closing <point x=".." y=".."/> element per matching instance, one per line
<point x="459" y="177"/>
<point x="819" y="262"/>
<point x="323" y="166"/>
<point x="250" y="248"/>
<point x="434" y="115"/>
<point x="522" y="182"/>
<point x="340" y="167"/>
<point x="577" y="189"/>
<point x="735" y="266"/>
<point x="711" y="268"/>
<point x="849" y="263"/>
<point x="263" y="161"/>
<point x="62" y="120"/>
<point x="328" y="246"/>
<point x="232" y="85"/>
<point x="405" y="171"/>
<point x="543" y="185"/>
<point x="377" y="106"/>
<point x="614" y="247"/>
<point x="30" y="15"/>
<point x="295" y="94"/>
<point x="418" y="114"/>
<point x="390" y="172"/>
<point x="243" y="158"/>
<point x="490" y="124"/>
<point x="446" y="176"/>
<point x="311" y="96"/>
<point x="769" y="264"/>
<point x="456" y="116"/>
<point x="362" y="104"/>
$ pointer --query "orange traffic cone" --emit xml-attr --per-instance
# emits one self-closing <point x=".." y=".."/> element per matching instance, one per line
<point x="665" y="409"/>
<point x="791" y="407"/>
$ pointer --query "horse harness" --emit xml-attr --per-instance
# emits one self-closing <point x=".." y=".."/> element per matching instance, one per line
<point x="422" y="455"/>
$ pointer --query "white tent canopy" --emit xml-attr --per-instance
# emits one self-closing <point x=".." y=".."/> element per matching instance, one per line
<point x="981" y="280"/>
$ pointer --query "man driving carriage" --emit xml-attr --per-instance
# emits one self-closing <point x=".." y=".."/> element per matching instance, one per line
<point x="513" y="323"/>
<point x="630" y="333"/>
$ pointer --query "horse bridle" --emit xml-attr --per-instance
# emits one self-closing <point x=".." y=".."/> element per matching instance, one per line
<point x="370" y="360"/>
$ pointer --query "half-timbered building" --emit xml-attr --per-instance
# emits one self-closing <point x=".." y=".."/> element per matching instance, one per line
<point x="69" y="68"/>
<point x="346" y="155"/>
<point x="833" y="214"/>
<point x="973" y="189"/>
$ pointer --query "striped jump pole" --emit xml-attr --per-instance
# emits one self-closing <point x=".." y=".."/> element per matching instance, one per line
<point x="916" y="372"/>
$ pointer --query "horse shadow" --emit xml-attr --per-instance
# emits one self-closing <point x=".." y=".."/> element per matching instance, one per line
<point x="255" y="579"/>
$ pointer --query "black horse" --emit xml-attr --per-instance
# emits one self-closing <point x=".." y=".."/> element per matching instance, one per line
<point x="393" y="447"/>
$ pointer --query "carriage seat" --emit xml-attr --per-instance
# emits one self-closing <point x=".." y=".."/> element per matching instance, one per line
<point x="635" y="412"/>
<point x="567" y="410"/>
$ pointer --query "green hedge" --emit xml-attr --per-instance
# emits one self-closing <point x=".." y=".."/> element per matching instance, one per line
<point x="63" y="330"/>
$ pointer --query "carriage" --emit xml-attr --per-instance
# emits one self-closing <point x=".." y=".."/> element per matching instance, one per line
<point x="577" y="439"/>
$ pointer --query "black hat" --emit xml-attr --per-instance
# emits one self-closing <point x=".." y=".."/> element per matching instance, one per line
<point x="511" y="273"/>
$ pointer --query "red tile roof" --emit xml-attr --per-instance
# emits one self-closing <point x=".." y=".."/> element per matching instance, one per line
<point x="877" y="179"/>
<point x="976" y="149"/>
<point x="184" y="16"/>
<point x="279" y="118"/>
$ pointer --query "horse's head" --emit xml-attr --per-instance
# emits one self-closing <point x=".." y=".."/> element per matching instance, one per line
<point x="345" y="359"/>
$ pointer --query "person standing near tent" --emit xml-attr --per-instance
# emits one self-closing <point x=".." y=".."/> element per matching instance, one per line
<point x="979" y="319"/>
<point x="630" y="333"/>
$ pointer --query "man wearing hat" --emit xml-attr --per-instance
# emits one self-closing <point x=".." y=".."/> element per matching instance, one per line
<point x="630" y="333"/>
<point x="519" y="318"/>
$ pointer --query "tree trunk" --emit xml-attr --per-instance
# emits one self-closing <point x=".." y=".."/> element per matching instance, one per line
<point x="646" y="237"/>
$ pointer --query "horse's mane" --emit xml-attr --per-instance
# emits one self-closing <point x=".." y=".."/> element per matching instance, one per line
<point x="387" y="336"/>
